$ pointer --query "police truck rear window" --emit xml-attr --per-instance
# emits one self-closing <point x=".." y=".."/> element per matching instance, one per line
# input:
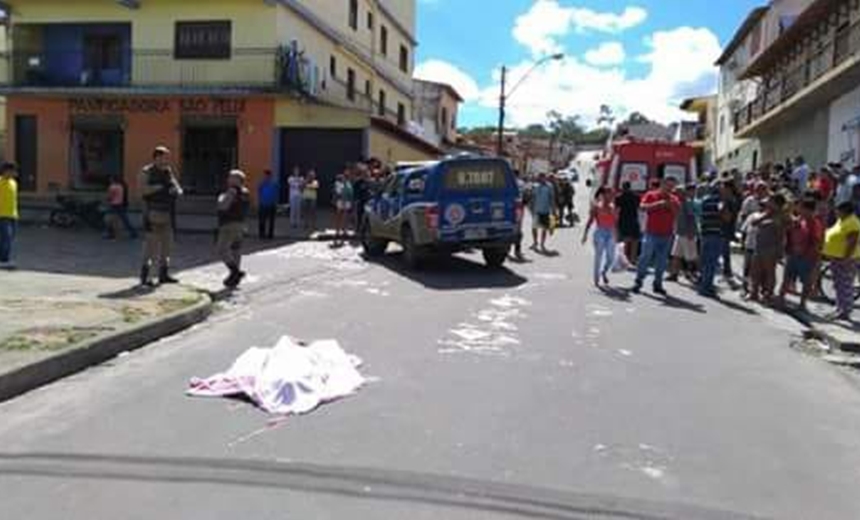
<point x="475" y="177"/>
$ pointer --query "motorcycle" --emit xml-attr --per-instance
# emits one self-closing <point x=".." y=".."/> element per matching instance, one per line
<point x="72" y="211"/>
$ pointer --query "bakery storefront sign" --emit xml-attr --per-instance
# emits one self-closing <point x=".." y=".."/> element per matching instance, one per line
<point x="217" y="106"/>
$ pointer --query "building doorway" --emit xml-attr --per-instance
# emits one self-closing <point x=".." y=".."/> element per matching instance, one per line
<point x="26" y="145"/>
<point x="209" y="152"/>
<point x="97" y="152"/>
<point x="326" y="151"/>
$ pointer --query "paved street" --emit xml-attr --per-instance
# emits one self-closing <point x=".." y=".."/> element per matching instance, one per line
<point x="521" y="394"/>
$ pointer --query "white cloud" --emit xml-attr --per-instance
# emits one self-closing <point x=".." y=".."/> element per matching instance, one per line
<point x="679" y="64"/>
<point x="539" y="28"/>
<point x="444" y="72"/>
<point x="607" y="53"/>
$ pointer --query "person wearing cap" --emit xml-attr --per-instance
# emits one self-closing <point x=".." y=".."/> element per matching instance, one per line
<point x="160" y="189"/>
<point x="233" y="206"/>
<point x="8" y="212"/>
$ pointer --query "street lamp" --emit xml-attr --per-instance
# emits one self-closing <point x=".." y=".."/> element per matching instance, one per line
<point x="503" y="98"/>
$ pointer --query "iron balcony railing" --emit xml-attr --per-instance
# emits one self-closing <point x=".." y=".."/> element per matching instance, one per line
<point x="262" y="68"/>
<point x="780" y="89"/>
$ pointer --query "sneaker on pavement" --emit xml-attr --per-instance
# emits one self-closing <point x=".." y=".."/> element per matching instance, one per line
<point x="636" y="289"/>
<point x="661" y="291"/>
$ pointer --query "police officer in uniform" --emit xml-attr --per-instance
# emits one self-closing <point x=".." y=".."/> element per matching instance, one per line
<point x="233" y="206"/>
<point x="160" y="189"/>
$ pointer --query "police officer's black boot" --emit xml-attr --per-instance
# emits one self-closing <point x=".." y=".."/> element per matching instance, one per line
<point x="164" y="277"/>
<point x="234" y="278"/>
<point x="144" y="276"/>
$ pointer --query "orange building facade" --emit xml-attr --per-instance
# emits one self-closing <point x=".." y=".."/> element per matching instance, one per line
<point x="78" y="143"/>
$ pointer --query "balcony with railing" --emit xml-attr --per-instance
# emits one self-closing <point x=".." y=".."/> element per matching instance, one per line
<point x="60" y="55"/>
<point x="821" y="74"/>
<point x="268" y="69"/>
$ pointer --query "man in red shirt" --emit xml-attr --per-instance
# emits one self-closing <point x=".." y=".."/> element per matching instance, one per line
<point x="661" y="207"/>
<point x="805" y="237"/>
<point x="825" y="184"/>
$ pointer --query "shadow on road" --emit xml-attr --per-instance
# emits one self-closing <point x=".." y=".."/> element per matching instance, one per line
<point x="383" y="486"/>
<point x="677" y="303"/>
<point x="615" y="293"/>
<point x="453" y="273"/>
<point x="131" y="292"/>
<point x="85" y="253"/>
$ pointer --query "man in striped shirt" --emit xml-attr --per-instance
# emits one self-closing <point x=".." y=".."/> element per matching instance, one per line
<point x="713" y="217"/>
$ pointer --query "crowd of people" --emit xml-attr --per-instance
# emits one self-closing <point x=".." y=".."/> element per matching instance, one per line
<point x="785" y="214"/>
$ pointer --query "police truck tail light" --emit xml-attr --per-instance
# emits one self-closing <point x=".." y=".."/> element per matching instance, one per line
<point x="519" y="210"/>
<point x="431" y="214"/>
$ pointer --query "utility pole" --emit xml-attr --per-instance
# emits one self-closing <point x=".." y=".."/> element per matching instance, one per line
<point x="500" y="145"/>
<point x="503" y="97"/>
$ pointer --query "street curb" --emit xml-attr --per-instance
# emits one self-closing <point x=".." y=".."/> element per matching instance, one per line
<point x="101" y="349"/>
<point x="212" y="231"/>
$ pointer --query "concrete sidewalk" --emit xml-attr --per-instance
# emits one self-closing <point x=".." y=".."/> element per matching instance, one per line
<point x="202" y="223"/>
<point x="53" y="324"/>
<point x="840" y="341"/>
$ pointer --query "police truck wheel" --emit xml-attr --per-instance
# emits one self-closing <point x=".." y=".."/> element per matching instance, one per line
<point x="411" y="255"/>
<point x="373" y="247"/>
<point x="496" y="256"/>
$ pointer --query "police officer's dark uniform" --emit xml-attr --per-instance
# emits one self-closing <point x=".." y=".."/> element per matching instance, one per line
<point x="233" y="207"/>
<point x="160" y="190"/>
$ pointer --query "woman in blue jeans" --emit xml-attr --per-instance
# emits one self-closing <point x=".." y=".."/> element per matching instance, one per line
<point x="604" y="214"/>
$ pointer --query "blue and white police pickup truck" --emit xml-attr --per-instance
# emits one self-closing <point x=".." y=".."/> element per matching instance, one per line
<point x="445" y="207"/>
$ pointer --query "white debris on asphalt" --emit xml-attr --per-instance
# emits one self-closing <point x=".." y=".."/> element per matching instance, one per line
<point x="598" y="311"/>
<point x="343" y="258"/>
<point x="654" y="472"/>
<point x="489" y="331"/>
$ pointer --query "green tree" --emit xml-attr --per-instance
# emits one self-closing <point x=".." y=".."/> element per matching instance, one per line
<point x="535" y="131"/>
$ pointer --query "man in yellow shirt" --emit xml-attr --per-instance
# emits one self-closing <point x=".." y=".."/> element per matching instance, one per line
<point x="8" y="212"/>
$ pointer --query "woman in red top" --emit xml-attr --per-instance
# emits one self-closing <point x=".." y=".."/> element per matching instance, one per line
<point x="604" y="213"/>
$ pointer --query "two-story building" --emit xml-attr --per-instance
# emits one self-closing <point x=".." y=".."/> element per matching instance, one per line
<point x="436" y="107"/>
<point x="93" y="85"/>
<point x="700" y="133"/>
<point x="731" y="152"/>
<point x="808" y="73"/>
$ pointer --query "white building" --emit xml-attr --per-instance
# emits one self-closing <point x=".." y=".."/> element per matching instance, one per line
<point x="733" y="93"/>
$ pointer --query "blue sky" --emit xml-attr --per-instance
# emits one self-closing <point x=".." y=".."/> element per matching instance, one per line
<point x="633" y="55"/>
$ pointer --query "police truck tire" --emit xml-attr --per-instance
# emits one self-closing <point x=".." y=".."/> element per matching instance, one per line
<point x="373" y="247"/>
<point x="411" y="255"/>
<point x="496" y="256"/>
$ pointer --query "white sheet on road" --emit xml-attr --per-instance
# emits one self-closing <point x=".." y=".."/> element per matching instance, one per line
<point x="290" y="378"/>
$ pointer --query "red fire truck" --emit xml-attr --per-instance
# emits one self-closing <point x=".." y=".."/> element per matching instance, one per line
<point x="639" y="161"/>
